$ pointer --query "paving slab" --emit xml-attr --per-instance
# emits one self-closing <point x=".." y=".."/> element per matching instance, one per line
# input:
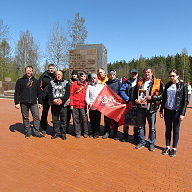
<point x="87" y="164"/>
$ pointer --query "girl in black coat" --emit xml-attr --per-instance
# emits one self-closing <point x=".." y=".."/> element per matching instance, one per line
<point x="174" y="105"/>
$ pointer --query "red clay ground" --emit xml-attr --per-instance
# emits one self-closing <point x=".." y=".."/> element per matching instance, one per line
<point x="89" y="165"/>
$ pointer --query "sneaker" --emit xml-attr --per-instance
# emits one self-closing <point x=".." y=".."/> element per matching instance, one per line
<point x="116" y="138"/>
<point x="96" y="136"/>
<point x="78" y="136"/>
<point x="27" y="135"/>
<point x="40" y="136"/>
<point x="63" y="136"/>
<point x="139" y="146"/>
<point x="166" y="151"/>
<point x="151" y="148"/>
<point x="91" y="135"/>
<point x="85" y="135"/>
<point x="105" y="136"/>
<point x="172" y="153"/>
<point x="43" y="132"/>
<point x="55" y="136"/>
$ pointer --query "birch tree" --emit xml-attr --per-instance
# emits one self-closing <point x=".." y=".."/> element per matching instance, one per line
<point x="58" y="47"/>
<point x="77" y="30"/>
<point x="27" y="52"/>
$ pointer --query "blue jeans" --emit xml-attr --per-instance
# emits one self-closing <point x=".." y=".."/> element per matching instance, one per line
<point x="142" y="115"/>
<point x="25" y="114"/>
<point x="172" y="122"/>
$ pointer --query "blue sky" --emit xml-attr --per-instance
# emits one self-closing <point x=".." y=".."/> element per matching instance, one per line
<point x="128" y="28"/>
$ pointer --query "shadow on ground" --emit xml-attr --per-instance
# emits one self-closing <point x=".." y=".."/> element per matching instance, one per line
<point x="18" y="127"/>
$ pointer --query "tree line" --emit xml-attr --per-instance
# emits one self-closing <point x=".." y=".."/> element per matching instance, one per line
<point x="27" y="50"/>
<point x="60" y="41"/>
<point x="160" y="65"/>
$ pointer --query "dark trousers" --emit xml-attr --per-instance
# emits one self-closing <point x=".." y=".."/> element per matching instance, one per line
<point x="126" y="132"/>
<point x="172" y="122"/>
<point x="69" y="113"/>
<point x="44" y="115"/>
<point x="80" y="121"/>
<point x="188" y="99"/>
<point x="95" y="119"/>
<point x="35" y="114"/>
<point x="59" y="118"/>
<point x="108" y="123"/>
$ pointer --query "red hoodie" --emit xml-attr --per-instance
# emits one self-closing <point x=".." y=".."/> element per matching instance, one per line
<point x="77" y="100"/>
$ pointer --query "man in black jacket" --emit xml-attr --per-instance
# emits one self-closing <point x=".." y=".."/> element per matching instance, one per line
<point x="58" y="92"/>
<point x="44" y="81"/>
<point x="27" y="93"/>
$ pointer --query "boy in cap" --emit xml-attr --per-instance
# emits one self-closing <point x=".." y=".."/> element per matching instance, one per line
<point x="78" y="105"/>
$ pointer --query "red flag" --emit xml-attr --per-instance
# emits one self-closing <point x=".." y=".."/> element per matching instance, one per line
<point x="111" y="105"/>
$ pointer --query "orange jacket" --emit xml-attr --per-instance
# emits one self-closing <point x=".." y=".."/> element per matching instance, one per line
<point x="155" y="88"/>
<point x="155" y="91"/>
<point x="102" y="81"/>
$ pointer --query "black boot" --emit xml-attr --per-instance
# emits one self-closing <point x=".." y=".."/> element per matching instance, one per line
<point x="56" y="128"/>
<point x="56" y="135"/>
<point x="115" y="134"/>
<point x="63" y="136"/>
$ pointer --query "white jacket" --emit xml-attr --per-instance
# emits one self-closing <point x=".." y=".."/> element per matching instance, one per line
<point x="92" y="92"/>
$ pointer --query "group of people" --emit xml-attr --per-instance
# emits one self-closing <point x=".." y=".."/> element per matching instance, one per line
<point x="77" y="95"/>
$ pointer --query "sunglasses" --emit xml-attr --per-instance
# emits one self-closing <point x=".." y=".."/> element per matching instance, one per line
<point x="172" y="75"/>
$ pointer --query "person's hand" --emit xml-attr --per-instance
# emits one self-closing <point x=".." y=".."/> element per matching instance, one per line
<point x="140" y="101"/>
<point x="181" y="117"/>
<point x="148" y="97"/>
<point x="161" y="114"/>
<point x="39" y="106"/>
<point x="71" y="107"/>
<point x="17" y="106"/>
<point x="137" y="101"/>
<point x="55" y="101"/>
<point x="59" y="101"/>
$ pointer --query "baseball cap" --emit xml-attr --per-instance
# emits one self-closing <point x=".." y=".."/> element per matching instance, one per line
<point x="134" y="71"/>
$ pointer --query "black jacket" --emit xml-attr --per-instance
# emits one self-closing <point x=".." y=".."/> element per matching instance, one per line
<point x="59" y="90"/>
<point x="115" y="85"/>
<point x="127" y="91"/>
<point x="44" y="81"/>
<point x="71" y="80"/>
<point x="181" y="97"/>
<point x="27" y="91"/>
